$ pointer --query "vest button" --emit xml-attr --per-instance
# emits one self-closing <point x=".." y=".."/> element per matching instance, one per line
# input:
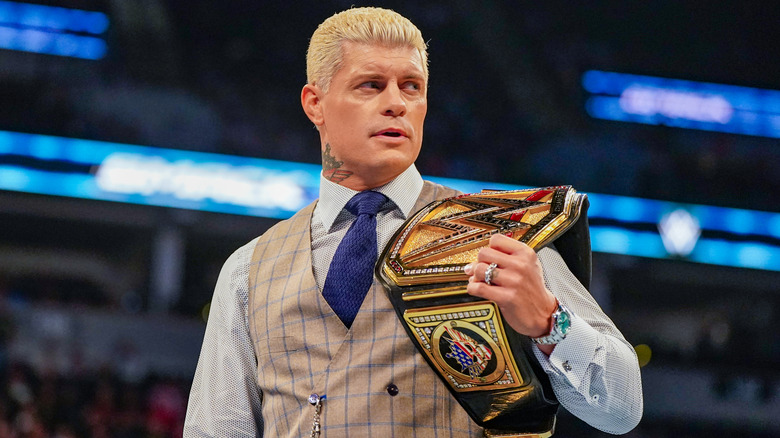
<point x="392" y="389"/>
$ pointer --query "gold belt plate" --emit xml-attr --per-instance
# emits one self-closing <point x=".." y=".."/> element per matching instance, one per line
<point x="443" y="237"/>
<point x="467" y="344"/>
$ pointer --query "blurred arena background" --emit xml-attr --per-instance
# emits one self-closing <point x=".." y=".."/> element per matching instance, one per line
<point x="115" y="117"/>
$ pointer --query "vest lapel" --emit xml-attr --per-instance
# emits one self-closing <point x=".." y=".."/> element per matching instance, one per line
<point x="287" y="310"/>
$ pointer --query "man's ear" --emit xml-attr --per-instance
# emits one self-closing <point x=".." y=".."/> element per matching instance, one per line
<point x="311" y="102"/>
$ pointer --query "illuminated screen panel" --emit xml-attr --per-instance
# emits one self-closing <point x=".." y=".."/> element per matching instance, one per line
<point x="682" y="104"/>
<point x="53" y="30"/>
<point x="277" y="189"/>
<point x="155" y="176"/>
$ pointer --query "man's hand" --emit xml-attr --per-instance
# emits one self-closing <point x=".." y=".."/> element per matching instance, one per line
<point x="517" y="286"/>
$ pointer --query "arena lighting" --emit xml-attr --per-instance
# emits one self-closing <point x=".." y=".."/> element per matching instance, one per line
<point x="680" y="231"/>
<point x="154" y="176"/>
<point x="52" y="30"/>
<point x="683" y="104"/>
<point x="268" y="188"/>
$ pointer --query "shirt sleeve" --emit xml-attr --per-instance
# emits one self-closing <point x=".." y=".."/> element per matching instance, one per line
<point x="594" y="371"/>
<point x="225" y="399"/>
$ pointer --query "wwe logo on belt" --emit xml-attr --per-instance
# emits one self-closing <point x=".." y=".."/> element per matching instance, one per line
<point x="470" y="355"/>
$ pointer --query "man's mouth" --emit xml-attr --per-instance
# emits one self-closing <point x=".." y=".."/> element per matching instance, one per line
<point x="391" y="133"/>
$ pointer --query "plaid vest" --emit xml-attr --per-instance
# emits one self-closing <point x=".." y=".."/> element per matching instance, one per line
<point x="302" y="348"/>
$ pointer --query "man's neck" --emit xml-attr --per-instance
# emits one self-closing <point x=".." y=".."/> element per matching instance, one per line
<point x="353" y="182"/>
<point x="403" y="190"/>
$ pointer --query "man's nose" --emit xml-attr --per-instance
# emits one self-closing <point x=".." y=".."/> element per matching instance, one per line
<point x="394" y="103"/>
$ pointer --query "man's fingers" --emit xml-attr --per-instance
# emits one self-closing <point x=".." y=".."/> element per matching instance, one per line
<point x="504" y="277"/>
<point x="494" y="293"/>
<point x="506" y="245"/>
<point x="478" y="272"/>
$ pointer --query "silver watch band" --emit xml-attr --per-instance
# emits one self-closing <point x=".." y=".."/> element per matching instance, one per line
<point x="560" y="326"/>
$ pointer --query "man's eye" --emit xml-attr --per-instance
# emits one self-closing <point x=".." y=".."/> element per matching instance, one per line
<point x="369" y="84"/>
<point x="411" y="86"/>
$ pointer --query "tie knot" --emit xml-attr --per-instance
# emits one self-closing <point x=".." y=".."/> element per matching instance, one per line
<point x="368" y="202"/>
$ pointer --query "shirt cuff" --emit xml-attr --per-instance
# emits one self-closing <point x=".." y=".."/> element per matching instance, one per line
<point x="572" y="356"/>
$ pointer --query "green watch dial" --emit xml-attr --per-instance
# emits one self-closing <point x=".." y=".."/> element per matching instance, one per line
<point x="561" y="326"/>
<point x="563" y="322"/>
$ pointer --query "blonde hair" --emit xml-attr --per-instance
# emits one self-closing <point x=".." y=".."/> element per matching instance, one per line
<point x="361" y="25"/>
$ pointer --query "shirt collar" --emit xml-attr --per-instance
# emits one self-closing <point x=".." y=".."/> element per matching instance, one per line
<point x="403" y="191"/>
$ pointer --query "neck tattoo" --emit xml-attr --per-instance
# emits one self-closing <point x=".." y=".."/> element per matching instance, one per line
<point x="331" y="167"/>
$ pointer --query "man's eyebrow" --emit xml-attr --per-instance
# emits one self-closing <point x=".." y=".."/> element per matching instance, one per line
<point x="381" y="76"/>
<point x="369" y="75"/>
<point x="414" y="76"/>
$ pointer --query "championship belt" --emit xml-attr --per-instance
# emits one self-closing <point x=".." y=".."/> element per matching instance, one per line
<point x="488" y="367"/>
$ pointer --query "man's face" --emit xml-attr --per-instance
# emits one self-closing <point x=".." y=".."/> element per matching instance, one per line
<point x="371" y="118"/>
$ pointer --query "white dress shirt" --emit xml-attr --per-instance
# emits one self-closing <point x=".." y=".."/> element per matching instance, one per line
<point x="594" y="371"/>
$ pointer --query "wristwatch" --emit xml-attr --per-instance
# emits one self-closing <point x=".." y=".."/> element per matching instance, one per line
<point x="560" y="326"/>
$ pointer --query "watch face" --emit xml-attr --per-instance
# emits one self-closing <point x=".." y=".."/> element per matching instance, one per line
<point x="563" y="322"/>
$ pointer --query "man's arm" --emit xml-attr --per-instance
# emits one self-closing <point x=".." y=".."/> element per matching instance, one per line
<point x="594" y="371"/>
<point x="224" y="399"/>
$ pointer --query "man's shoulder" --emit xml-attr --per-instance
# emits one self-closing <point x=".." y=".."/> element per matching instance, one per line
<point x="440" y="190"/>
<point x="300" y="222"/>
<point x="432" y="191"/>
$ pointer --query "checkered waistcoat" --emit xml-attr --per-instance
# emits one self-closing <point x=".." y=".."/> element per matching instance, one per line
<point x="302" y="348"/>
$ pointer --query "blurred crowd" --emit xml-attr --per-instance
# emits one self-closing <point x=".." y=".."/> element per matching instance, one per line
<point x="45" y="401"/>
<point x="35" y="405"/>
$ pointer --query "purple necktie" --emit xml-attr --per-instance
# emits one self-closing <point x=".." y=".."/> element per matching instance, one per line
<point x="351" y="271"/>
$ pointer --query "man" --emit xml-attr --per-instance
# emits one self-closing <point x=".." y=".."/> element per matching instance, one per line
<point x="281" y="358"/>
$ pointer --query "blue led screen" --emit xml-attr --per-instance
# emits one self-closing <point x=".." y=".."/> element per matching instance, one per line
<point x="53" y="30"/>
<point x="269" y="188"/>
<point x="682" y="104"/>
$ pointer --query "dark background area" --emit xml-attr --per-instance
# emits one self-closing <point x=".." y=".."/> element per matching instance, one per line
<point x="505" y="105"/>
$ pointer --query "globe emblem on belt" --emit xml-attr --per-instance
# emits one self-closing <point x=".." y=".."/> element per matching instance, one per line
<point x="467" y="352"/>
